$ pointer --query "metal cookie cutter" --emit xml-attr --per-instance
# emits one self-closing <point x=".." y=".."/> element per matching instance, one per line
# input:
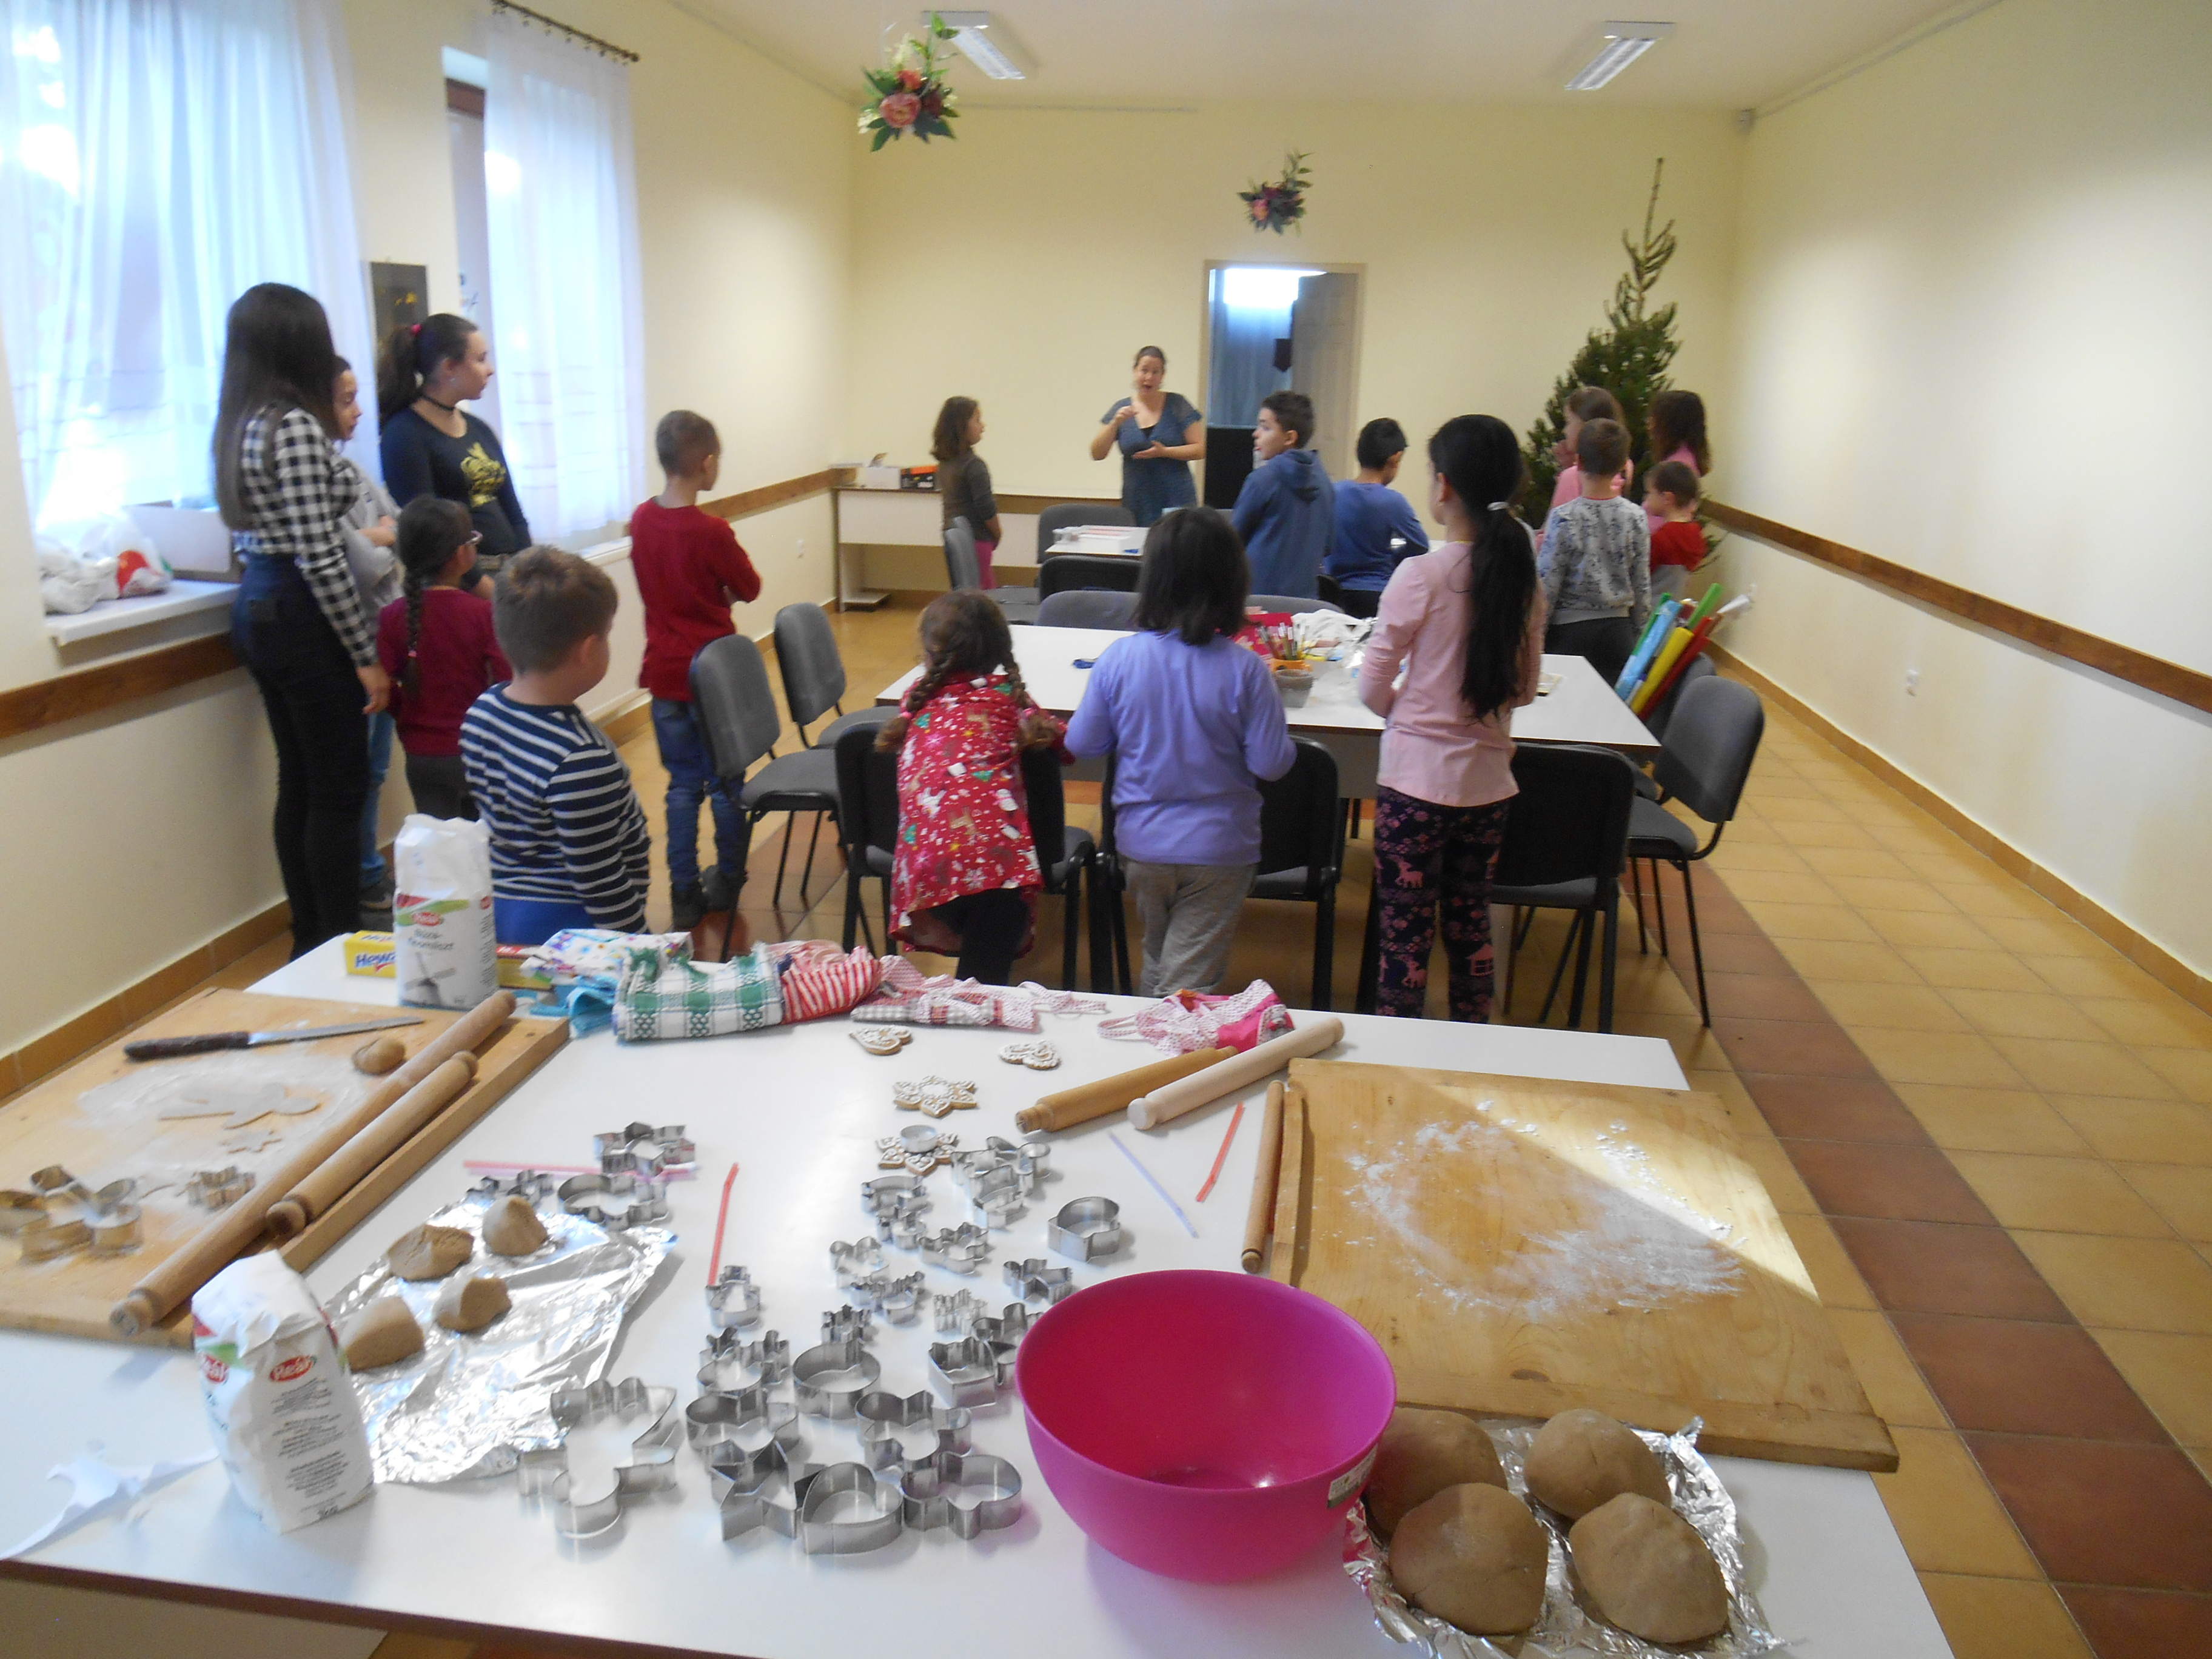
<point x="897" y="1299"/>
<point x="883" y="1415"/>
<point x="728" y="1362"/>
<point x="904" y="1231"/>
<point x="934" y="1096"/>
<point x="1029" y="1161"/>
<point x="729" y="1414"/>
<point x="852" y="1263"/>
<point x="962" y="1248"/>
<point x="739" y="1479"/>
<point x="995" y="1194"/>
<point x="1038" y="1056"/>
<point x="881" y="1039"/>
<point x="20" y="1209"/>
<point x="50" y="1236"/>
<point x="218" y="1189"/>
<point x="641" y="1149"/>
<point x="847" y="1325"/>
<point x="1004" y="1330"/>
<point x="525" y="1184"/>
<point x="917" y="1149"/>
<point x="895" y="1195"/>
<point x="953" y="1312"/>
<point x="587" y="1511"/>
<point x="929" y="1493"/>
<point x="116" y="1230"/>
<point x="733" y="1300"/>
<point x="1086" y="1228"/>
<point x="971" y="1370"/>
<point x="829" y="1380"/>
<point x="615" y="1200"/>
<point x="819" y="1535"/>
<point x="1037" y="1279"/>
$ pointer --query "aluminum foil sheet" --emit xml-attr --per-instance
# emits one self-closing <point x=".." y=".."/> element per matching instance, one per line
<point x="471" y="1405"/>
<point x="1570" y="1623"/>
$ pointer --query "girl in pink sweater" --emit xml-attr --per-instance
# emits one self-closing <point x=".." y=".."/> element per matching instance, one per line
<point x="1466" y="622"/>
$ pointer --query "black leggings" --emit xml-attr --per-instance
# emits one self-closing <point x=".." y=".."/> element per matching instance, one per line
<point x="440" y="784"/>
<point x="991" y="926"/>
<point x="1607" y="641"/>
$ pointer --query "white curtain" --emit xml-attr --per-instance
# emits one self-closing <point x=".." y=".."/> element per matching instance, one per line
<point x="1248" y="317"/>
<point x="562" y="210"/>
<point x="157" y="158"/>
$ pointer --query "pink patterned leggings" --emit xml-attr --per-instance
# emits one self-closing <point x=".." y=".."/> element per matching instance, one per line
<point x="1428" y="856"/>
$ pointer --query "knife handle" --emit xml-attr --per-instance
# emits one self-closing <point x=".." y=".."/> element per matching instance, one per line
<point x="171" y="1048"/>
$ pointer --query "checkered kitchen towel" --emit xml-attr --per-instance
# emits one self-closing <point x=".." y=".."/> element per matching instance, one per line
<point x="663" y="994"/>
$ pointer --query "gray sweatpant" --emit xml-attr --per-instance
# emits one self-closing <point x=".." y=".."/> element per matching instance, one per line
<point x="1189" y="913"/>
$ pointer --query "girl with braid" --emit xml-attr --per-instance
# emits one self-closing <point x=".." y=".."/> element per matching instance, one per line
<point x="964" y="876"/>
<point x="436" y="643"/>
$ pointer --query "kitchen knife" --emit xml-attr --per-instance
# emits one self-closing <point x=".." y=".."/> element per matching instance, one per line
<point x="208" y="1042"/>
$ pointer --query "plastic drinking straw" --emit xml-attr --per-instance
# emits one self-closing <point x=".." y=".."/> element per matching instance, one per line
<point x="714" y="1259"/>
<point x="1222" y="1157"/>
<point x="1153" y="1184"/>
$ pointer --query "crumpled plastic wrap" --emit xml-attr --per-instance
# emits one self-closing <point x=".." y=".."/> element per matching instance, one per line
<point x="470" y="1405"/>
<point x="1570" y="1624"/>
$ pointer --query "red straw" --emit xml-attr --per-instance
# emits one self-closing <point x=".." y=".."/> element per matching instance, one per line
<point x="714" y="1263"/>
<point x="1222" y="1157"/>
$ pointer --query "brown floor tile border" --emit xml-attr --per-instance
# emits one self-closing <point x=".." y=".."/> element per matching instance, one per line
<point x="2147" y="954"/>
<point x="2125" y="1624"/>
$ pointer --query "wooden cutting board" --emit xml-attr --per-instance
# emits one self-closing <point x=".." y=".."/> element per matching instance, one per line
<point x="1521" y="1246"/>
<point x="100" y="1119"/>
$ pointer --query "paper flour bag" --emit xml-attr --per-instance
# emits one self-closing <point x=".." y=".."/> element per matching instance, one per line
<point x="441" y="914"/>
<point x="285" y="1419"/>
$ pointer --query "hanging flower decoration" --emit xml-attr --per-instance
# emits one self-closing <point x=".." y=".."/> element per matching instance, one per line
<point x="911" y="93"/>
<point x="1272" y="206"/>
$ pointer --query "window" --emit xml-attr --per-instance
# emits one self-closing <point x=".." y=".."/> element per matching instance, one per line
<point x="158" y="157"/>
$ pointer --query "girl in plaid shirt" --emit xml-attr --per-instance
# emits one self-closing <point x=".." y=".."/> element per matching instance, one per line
<point x="298" y="623"/>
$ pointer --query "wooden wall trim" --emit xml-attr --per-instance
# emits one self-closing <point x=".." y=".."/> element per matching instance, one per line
<point x="1038" y="503"/>
<point x="2138" y="668"/>
<point x="747" y="502"/>
<point x="109" y="685"/>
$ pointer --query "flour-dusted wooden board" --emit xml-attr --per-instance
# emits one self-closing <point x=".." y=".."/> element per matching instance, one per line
<point x="101" y="1121"/>
<point x="1521" y="1246"/>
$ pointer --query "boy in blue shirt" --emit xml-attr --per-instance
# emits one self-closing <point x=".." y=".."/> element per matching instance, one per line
<point x="1285" y="513"/>
<point x="1377" y="530"/>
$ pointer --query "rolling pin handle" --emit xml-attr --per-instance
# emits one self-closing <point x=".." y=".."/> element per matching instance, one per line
<point x="287" y="1218"/>
<point x="133" y="1314"/>
<point x="174" y="1048"/>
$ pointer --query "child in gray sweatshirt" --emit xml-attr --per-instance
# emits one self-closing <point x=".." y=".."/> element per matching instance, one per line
<point x="1595" y="564"/>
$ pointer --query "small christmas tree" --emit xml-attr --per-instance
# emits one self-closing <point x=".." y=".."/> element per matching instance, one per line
<point x="1628" y="357"/>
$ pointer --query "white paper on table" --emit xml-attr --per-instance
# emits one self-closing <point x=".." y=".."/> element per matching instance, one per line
<point x="101" y="1487"/>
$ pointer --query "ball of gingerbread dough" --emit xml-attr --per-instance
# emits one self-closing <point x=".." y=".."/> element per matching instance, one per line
<point x="511" y="1227"/>
<point x="380" y="1334"/>
<point x="379" y="1054"/>
<point x="1582" y="1458"/>
<point x="470" y="1304"/>
<point x="429" y="1252"/>
<point x="1422" y="1453"/>
<point x="1648" y="1571"/>
<point x="1473" y="1556"/>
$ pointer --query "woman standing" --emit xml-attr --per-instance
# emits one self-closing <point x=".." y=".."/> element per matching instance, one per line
<point x="425" y="374"/>
<point x="298" y="622"/>
<point x="964" y="482"/>
<point x="1159" y="435"/>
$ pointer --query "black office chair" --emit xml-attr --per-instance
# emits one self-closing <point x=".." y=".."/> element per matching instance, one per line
<point x="1057" y="518"/>
<point x="1566" y="841"/>
<point x="964" y="567"/>
<point x="1084" y="607"/>
<point x="1711" y="742"/>
<point x="1301" y="851"/>
<point x="813" y="672"/>
<point x="736" y="710"/>
<point x="1114" y="573"/>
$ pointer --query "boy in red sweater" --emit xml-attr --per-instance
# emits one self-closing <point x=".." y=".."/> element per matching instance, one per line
<point x="1677" y="544"/>
<point x="690" y="570"/>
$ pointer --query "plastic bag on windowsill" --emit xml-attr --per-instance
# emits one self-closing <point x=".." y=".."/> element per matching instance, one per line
<point x="83" y="561"/>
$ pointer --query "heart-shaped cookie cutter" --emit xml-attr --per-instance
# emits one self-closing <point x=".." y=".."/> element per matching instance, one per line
<point x="729" y="1361"/>
<point x="828" y="1379"/>
<point x="1036" y="1279"/>
<point x="736" y="1414"/>
<point x="1086" y="1229"/>
<point x="883" y="1415"/>
<point x="652" y="1468"/>
<point x="928" y="1490"/>
<point x="821" y="1534"/>
<point x="971" y="1370"/>
<point x="733" y="1300"/>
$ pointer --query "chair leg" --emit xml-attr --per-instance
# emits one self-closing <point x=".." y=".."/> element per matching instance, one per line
<point x="1120" y="917"/>
<point x="1560" y="969"/>
<point x="1070" y="926"/>
<point x="1609" y="957"/>
<point x="782" y="856"/>
<point x="1636" y="887"/>
<point x="1581" y="970"/>
<point x="1370" y="959"/>
<point x="1697" y="945"/>
<point x="1659" y="902"/>
<point x="1324" y="963"/>
<point x="853" y="916"/>
<point x="1101" y="884"/>
<point x="807" y="874"/>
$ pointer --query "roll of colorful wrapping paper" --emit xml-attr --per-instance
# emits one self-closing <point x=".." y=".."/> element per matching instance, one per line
<point x="1706" y="606"/>
<point x="1655" y="635"/>
<point x="1677" y="642"/>
<point x="1690" y="652"/>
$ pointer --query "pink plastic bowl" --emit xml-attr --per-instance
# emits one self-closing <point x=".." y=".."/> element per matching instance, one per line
<point x="1204" y="1425"/>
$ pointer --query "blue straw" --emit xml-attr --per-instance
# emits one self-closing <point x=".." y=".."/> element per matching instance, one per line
<point x="1153" y="1184"/>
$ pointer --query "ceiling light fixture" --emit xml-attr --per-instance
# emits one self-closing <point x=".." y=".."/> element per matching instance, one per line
<point x="1621" y="45"/>
<point x="971" y="33"/>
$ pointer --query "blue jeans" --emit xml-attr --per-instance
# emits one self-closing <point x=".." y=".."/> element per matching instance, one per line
<point x="533" y="921"/>
<point x="691" y="778"/>
<point x="379" y="762"/>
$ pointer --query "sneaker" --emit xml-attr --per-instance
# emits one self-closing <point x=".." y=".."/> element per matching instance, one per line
<point x="687" y="906"/>
<point x="377" y="895"/>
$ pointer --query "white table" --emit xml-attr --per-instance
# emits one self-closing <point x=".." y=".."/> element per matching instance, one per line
<point x="801" y="1109"/>
<point x="1580" y="708"/>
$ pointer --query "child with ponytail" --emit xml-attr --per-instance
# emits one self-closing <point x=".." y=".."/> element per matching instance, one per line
<point x="964" y="876"/>
<point x="1466" y="623"/>
<point x="436" y="643"/>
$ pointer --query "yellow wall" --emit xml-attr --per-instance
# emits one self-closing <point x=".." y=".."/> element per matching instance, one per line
<point x="1971" y="331"/>
<point x="1026" y="264"/>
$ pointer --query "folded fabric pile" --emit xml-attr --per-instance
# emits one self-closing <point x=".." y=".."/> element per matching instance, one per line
<point x="909" y="997"/>
<point x="661" y="993"/>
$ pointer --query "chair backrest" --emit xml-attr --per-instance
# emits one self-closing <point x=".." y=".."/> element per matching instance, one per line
<point x="736" y="708"/>
<point x="1054" y="519"/>
<point x="964" y="567"/>
<point x="1712" y="741"/>
<point x="1047" y="806"/>
<point x="1656" y="717"/>
<point x="1290" y="601"/>
<point x="1571" y="819"/>
<point x="867" y="791"/>
<point x="1083" y="607"/>
<point x="806" y="655"/>
<point x="1115" y="572"/>
<point x="1300" y="816"/>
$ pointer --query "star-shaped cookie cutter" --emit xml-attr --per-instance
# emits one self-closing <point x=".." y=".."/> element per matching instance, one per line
<point x="970" y="1371"/>
<point x="826" y="1524"/>
<point x="730" y="1414"/>
<point x="1086" y="1229"/>
<point x="917" y="1149"/>
<point x="738" y="1480"/>
<point x="882" y="1414"/>
<point x="728" y="1362"/>
<point x="881" y="1039"/>
<point x="591" y="1511"/>
<point x="615" y="1200"/>
<point x="828" y="1379"/>
<point x="733" y="1300"/>
<point x="1036" y="1279"/>
<point x="1038" y="1056"/>
<point x="927" y="1491"/>
<point x="640" y="1148"/>
<point x="933" y="1096"/>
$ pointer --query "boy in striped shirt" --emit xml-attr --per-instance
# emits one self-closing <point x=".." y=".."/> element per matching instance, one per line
<point x="568" y="841"/>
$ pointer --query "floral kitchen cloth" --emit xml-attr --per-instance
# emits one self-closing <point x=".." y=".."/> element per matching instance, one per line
<point x="909" y="997"/>
<point x="663" y="994"/>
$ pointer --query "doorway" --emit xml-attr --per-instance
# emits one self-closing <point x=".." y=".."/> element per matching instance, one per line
<point x="1278" y="328"/>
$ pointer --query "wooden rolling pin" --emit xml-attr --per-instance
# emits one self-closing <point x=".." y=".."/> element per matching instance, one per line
<point x="290" y="1214"/>
<point x="1111" y="1094"/>
<point x="1188" y="1094"/>
<point x="1262" y="1212"/>
<point x="211" y="1249"/>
